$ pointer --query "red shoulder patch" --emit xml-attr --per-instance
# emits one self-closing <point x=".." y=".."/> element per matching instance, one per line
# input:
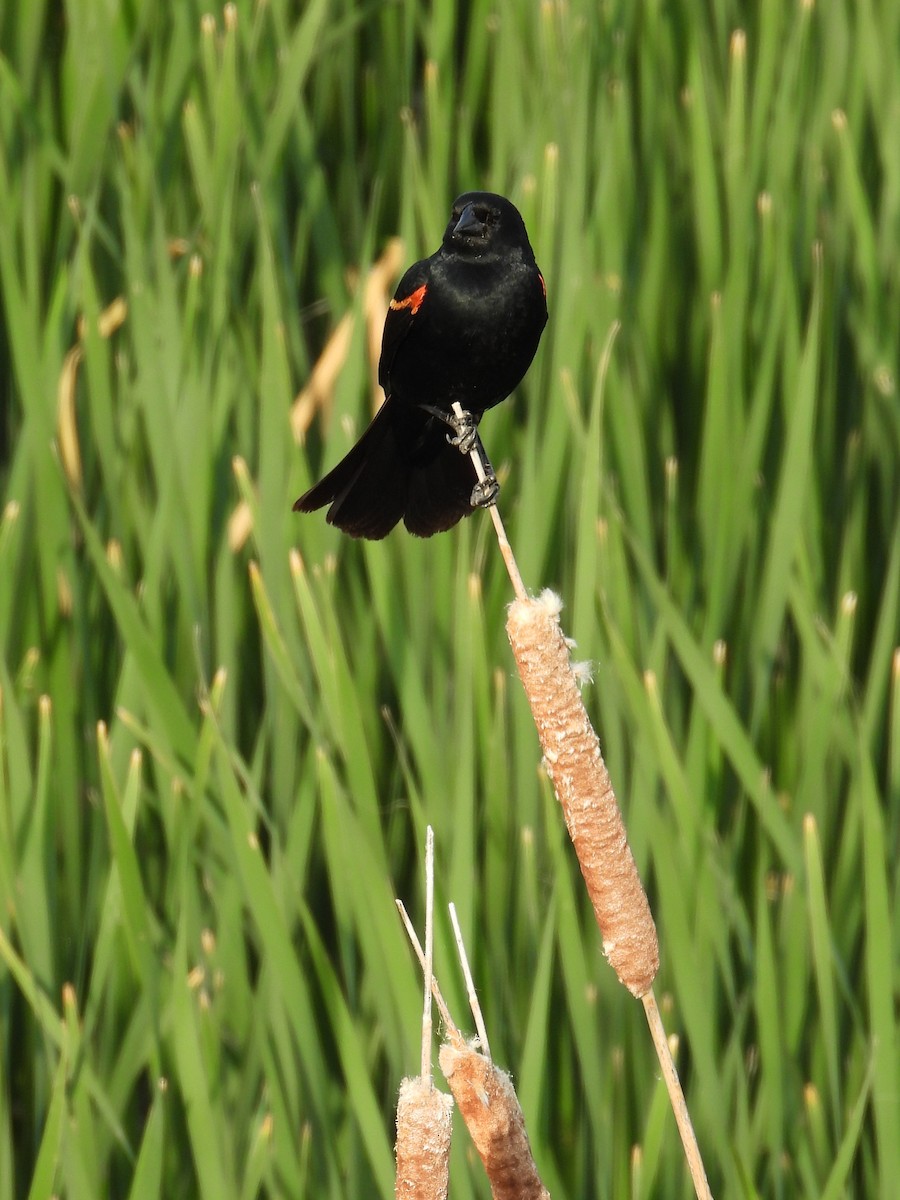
<point x="413" y="301"/>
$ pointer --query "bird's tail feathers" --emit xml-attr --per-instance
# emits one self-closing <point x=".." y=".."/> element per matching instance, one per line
<point x="439" y="493"/>
<point x="401" y="468"/>
<point x="367" y="488"/>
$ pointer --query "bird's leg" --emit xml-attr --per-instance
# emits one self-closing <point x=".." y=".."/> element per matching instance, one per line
<point x="465" y="438"/>
<point x="463" y="424"/>
<point x="465" y="431"/>
<point x="487" y="489"/>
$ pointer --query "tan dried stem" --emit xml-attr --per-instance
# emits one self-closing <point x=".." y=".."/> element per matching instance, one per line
<point x="486" y="1098"/>
<point x="676" y="1097"/>
<point x="474" y="1002"/>
<point x="509" y="558"/>
<point x="423" y="1113"/>
<point x="428" y="969"/>
<point x="582" y="784"/>
<point x="487" y="1101"/>
<point x="439" y="1000"/>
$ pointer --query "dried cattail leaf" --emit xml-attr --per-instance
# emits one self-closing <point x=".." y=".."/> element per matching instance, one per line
<point x="113" y="317"/>
<point x="583" y="788"/>
<point x="423" y="1141"/>
<point x="490" y="1108"/>
<point x="318" y="394"/>
<point x="377" y="295"/>
<point x="319" y="391"/>
<point x="66" y="420"/>
<point x="240" y="526"/>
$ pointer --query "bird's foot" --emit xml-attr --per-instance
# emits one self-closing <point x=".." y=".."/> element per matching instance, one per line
<point x="485" y="492"/>
<point x="465" y="438"/>
<point x="465" y="431"/>
<point x="463" y="424"/>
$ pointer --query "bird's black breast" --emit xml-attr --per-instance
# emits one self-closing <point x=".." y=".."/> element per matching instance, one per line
<point x="473" y="335"/>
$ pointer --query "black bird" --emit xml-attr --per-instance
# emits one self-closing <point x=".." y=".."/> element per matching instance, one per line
<point x="463" y="326"/>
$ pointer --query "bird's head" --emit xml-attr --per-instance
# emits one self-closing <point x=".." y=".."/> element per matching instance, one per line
<point x="482" y="224"/>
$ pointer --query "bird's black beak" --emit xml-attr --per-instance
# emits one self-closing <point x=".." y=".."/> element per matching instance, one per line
<point x="468" y="223"/>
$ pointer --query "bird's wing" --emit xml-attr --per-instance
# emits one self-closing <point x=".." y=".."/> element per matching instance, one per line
<point x="408" y="299"/>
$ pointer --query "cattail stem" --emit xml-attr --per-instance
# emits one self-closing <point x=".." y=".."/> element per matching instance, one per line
<point x="502" y="540"/>
<point x="486" y="1098"/>
<point x="676" y="1097"/>
<point x="423" y="1113"/>
<point x="583" y="787"/>
<point x="509" y="558"/>
<point x="474" y="1002"/>
<point x="420" y="955"/>
<point x="428" y="970"/>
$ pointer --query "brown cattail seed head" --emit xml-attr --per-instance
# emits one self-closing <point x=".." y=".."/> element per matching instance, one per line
<point x="423" y="1141"/>
<point x="582" y="785"/>
<point x="489" y="1106"/>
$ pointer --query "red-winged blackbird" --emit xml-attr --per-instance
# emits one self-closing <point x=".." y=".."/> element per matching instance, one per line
<point x="463" y="327"/>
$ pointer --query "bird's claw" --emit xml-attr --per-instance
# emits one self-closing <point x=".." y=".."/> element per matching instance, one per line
<point x="485" y="492"/>
<point x="464" y="426"/>
<point x="465" y="438"/>
<point x="465" y="431"/>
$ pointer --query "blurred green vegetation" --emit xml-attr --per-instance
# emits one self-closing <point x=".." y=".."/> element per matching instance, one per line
<point x="215" y="776"/>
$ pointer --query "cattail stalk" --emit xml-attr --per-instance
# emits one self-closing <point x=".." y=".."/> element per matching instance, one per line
<point x="584" y="790"/>
<point x="583" y="787"/>
<point x="474" y="1002"/>
<point x="424" y="1114"/>
<point x="485" y="1097"/>
<point x="509" y="558"/>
